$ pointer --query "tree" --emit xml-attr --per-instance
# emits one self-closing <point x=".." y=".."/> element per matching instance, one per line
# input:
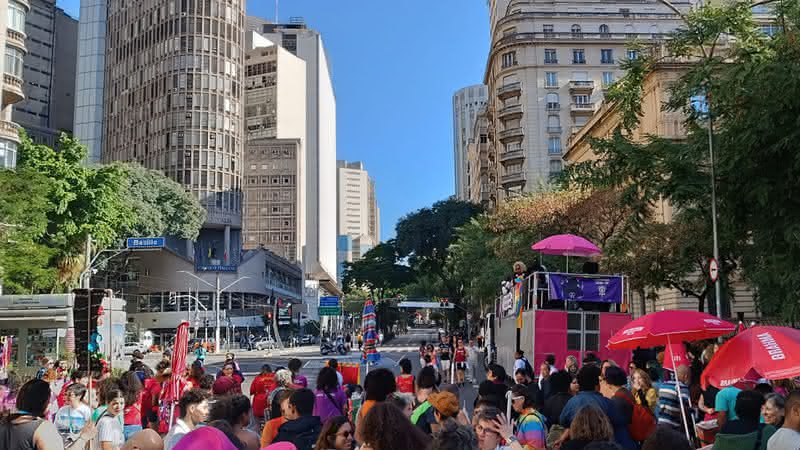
<point x="379" y="271"/>
<point x="424" y="238"/>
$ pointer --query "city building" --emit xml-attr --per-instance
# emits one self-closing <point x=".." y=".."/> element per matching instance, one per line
<point x="319" y="256"/>
<point x="49" y="73"/>
<point x="12" y="85"/>
<point x="173" y="102"/>
<point x="547" y="71"/>
<point x="344" y="253"/>
<point x="466" y="104"/>
<point x="358" y="215"/>
<point x="275" y="157"/>
<point x="90" y="77"/>
<point x="481" y="170"/>
<point x="654" y="121"/>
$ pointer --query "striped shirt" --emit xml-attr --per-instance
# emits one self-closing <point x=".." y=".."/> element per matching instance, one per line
<point x="531" y="430"/>
<point x="669" y="410"/>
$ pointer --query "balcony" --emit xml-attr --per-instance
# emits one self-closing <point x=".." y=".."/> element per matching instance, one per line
<point x="15" y="38"/>
<point x="554" y="130"/>
<point x="553" y="107"/>
<point x="12" y="89"/>
<point x="582" y="109"/>
<point x="511" y="133"/>
<point x="513" y="155"/>
<point x="512" y="179"/>
<point x="581" y="87"/>
<point x="9" y="131"/>
<point x="510" y="112"/>
<point x="509" y="90"/>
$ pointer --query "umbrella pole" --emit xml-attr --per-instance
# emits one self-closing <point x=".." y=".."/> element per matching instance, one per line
<point x="678" y="392"/>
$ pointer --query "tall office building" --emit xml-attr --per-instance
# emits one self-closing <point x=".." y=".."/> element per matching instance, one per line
<point x="548" y="68"/>
<point x="357" y="207"/>
<point x="319" y="258"/>
<point x="49" y="73"/>
<point x="466" y="104"/>
<point x="12" y="38"/>
<point x="172" y="101"/>
<point x="480" y="169"/>
<point x="90" y="77"/>
<point x="275" y="157"/>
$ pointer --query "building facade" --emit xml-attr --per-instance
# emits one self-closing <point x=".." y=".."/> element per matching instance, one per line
<point x="481" y="170"/>
<point x="358" y="214"/>
<point x="466" y="104"/>
<point x="275" y="157"/>
<point x="12" y="18"/>
<point x="90" y="77"/>
<point x="49" y="73"/>
<point x="374" y="230"/>
<point x="319" y="256"/>
<point x="547" y="71"/>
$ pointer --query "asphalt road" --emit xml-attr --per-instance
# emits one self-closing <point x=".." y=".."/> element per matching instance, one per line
<point x="406" y="345"/>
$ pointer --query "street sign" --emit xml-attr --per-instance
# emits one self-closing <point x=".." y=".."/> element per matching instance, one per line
<point x="713" y="270"/>
<point x="420" y="305"/>
<point x="146" y="242"/>
<point x="329" y="301"/>
<point x="330" y="311"/>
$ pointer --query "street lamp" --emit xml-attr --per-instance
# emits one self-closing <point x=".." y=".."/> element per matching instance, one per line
<point x="217" y="292"/>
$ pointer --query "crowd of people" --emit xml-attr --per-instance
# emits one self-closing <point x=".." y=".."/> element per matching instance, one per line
<point x="594" y="405"/>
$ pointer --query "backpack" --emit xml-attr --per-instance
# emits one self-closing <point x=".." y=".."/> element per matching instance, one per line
<point x="528" y="367"/>
<point x="643" y="422"/>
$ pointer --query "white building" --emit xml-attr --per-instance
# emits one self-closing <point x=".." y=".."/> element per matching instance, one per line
<point x="548" y="68"/>
<point x="12" y="39"/>
<point x="357" y="207"/>
<point x="466" y="104"/>
<point x="319" y="257"/>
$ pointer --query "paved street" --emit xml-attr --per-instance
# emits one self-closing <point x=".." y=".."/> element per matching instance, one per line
<point x="405" y="346"/>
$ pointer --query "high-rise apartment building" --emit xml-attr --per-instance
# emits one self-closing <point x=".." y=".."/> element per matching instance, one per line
<point x="49" y="73"/>
<point x="548" y="68"/>
<point x="173" y="101"/>
<point x="466" y="104"/>
<point x="319" y="258"/>
<point x="357" y="207"/>
<point x="12" y="39"/>
<point x="275" y="157"/>
<point x="480" y="169"/>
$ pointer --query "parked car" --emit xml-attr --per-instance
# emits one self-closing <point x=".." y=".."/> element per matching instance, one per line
<point x="264" y="343"/>
<point x="131" y="347"/>
<point x="307" y="340"/>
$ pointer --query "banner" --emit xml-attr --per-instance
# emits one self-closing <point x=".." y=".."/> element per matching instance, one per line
<point x="518" y="300"/>
<point x="585" y="289"/>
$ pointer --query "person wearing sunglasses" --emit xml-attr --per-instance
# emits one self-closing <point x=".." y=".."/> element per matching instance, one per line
<point x="337" y="434"/>
<point x="531" y="425"/>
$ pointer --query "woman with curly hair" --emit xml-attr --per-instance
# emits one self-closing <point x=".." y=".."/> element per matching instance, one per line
<point x="643" y="390"/>
<point x="337" y="434"/>
<point x="387" y="428"/>
<point x="590" y="425"/>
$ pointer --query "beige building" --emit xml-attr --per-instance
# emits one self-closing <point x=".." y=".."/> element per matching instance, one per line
<point x="275" y="156"/>
<point x="12" y="18"/>
<point x="358" y="213"/>
<point x="466" y="104"/>
<point x="666" y="124"/>
<point x="481" y="164"/>
<point x="547" y="71"/>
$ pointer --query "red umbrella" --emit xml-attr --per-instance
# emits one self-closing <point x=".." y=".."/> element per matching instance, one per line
<point x="566" y="245"/>
<point x="765" y="350"/>
<point x="656" y="329"/>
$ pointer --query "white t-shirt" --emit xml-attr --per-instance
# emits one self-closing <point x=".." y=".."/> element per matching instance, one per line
<point x="176" y="433"/>
<point x="70" y="421"/>
<point x="109" y="429"/>
<point x="784" y="439"/>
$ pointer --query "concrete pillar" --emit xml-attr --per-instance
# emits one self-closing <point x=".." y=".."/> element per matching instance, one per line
<point x="190" y="249"/>
<point x="227" y="245"/>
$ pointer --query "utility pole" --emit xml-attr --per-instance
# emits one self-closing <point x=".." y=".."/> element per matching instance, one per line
<point x="86" y="274"/>
<point x="217" y="346"/>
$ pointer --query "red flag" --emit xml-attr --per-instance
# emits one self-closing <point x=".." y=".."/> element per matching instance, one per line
<point x="179" y="352"/>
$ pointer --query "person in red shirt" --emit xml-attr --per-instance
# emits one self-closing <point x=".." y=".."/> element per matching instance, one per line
<point x="461" y="362"/>
<point x="151" y="395"/>
<point x="262" y="385"/>
<point x="78" y="376"/>
<point x="405" y="381"/>
<point x="196" y="372"/>
<point x="132" y="413"/>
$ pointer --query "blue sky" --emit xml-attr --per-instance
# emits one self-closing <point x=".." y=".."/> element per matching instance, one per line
<point x="395" y="67"/>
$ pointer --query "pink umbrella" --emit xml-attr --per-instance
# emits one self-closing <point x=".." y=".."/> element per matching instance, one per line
<point x="566" y="245"/>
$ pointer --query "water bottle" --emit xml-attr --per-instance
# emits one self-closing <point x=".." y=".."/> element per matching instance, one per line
<point x="355" y="405"/>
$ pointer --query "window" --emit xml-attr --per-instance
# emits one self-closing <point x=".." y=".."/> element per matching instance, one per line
<point x="509" y="59"/>
<point x="604" y="30"/>
<point x="8" y="154"/>
<point x="551" y="79"/>
<point x="633" y="54"/>
<point x="770" y="29"/>
<point x="547" y="29"/>
<point x="578" y="56"/>
<point x="580" y="99"/>
<point x="552" y="101"/>
<point x="16" y="16"/>
<point x="576" y="31"/>
<point x="608" y="79"/>
<point x="14" y="61"/>
<point x="550" y="56"/>
<point x="606" y="56"/>
<point x="554" y="146"/>
<point x="555" y="166"/>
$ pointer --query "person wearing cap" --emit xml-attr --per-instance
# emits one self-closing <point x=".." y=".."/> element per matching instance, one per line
<point x="445" y="407"/>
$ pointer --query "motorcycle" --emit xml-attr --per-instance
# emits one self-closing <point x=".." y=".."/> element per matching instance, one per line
<point x="326" y="347"/>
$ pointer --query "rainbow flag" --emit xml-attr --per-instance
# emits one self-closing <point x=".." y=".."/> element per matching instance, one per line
<point x="518" y="300"/>
<point x="369" y="323"/>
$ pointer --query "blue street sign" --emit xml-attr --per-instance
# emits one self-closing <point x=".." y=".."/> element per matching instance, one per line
<point x="146" y="242"/>
<point x="215" y="268"/>
<point x="329" y="301"/>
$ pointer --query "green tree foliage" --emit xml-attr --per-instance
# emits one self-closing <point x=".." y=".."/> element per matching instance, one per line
<point x="424" y="238"/>
<point x="379" y="272"/>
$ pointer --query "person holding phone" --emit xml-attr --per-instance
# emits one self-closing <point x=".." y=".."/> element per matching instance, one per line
<point x="110" y="433"/>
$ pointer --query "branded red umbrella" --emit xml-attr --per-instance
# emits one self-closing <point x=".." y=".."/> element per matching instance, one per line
<point x="769" y="351"/>
<point x="663" y="327"/>
<point x="668" y="328"/>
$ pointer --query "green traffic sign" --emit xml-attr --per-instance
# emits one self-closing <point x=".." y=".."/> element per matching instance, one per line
<point x="330" y="311"/>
